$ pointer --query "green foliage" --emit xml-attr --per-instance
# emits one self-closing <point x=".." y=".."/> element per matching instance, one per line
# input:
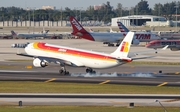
<point x="105" y="13"/>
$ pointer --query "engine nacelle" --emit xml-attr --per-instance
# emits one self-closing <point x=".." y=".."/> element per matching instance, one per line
<point x="39" y="63"/>
<point x="175" y="49"/>
<point x="135" y="42"/>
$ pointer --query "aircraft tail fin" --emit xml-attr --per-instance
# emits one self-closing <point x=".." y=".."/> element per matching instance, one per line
<point x="91" y="30"/>
<point x="78" y="30"/>
<point x="13" y="33"/>
<point x="123" y="49"/>
<point x="46" y="31"/>
<point x="77" y="27"/>
<point x="122" y="28"/>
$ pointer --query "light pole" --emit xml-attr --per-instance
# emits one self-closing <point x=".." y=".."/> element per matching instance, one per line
<point x="137" y="15"/>
<point x="176" y="14"/>
<point x="159" y="13"/>
<point x="29" y="18"/>
<point x="161" y="105"/>
<point x="33" y="19"/>
<point x="80" y="14"/>
<point x="61" y="16"/>
<point x="80" y="8"/>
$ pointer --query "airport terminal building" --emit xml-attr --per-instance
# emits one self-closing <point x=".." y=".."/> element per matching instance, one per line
<point x="137" y="20"/>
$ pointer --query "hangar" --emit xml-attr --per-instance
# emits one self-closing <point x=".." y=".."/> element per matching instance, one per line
<point x="136" y="20"/>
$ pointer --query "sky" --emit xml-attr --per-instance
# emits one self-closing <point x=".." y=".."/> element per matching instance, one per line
<point x="72" y="4"/>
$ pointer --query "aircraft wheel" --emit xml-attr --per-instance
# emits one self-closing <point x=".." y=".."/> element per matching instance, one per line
<point x="117" y="44"/>
<point x="93" y="72"/>
<point x="110" y="44"/>
<point x="62" y="72"/>
<point x="89" y="70"/>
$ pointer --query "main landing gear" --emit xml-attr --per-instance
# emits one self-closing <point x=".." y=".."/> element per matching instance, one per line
<point x="90" y="70"/>
<point x="110" y="44"/>
<point x="63" y="71"/>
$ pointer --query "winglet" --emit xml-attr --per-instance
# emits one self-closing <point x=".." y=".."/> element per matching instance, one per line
<point x="164" y="48"/>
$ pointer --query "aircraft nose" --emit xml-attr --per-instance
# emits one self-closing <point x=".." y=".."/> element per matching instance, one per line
<point x="27" y="47"/>
<point x="148" y="45"/>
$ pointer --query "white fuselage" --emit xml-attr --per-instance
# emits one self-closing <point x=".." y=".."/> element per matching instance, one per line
<point x="74" y="57"/>
<point x="116" y="37"/>
<point x="31" y="35"/>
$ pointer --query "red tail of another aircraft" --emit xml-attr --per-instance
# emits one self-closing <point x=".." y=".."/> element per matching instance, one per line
<point x="78" y="30"/>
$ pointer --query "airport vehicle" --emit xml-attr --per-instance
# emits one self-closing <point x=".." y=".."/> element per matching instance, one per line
<point x="44" y="53"/>
<point x="107" y="37"/>
<point x="28" y="36"/>
<point x="174" y="45"/>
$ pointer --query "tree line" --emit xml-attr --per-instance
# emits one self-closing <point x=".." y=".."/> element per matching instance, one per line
<point x="105" y="13"/>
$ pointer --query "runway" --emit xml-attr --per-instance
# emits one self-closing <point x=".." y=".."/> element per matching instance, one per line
<point x="133" y="78"/>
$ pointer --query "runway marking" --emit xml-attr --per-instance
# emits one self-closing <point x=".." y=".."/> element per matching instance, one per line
<point x="164" y="83"/>
<point x="173" y="100"/>
<point x="105" y="82"/>
<point x="29" y="66"/>
<point x="50" y="80"/>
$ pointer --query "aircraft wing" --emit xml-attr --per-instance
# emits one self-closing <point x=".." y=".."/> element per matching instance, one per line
<point x="146" y="57"/>
<point x="53" y="60"/>
<point x="133" y="54"/>
<point x="23" y="54"/>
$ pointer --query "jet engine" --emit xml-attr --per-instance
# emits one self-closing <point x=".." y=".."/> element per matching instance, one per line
<point x="135" y="42"/>
<point x="39" y="63"/>
<point x="175" y="49"/>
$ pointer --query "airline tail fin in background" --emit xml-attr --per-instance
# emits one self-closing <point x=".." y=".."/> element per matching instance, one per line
<point x="123" y="49"/>
<point x="78" y="30"/>
<point x="122" y="28"/>
<point x="46" y="31"/>
<point x="13" y="33"/>
<point x="77" y="27"/>
<point x="91" y="30"/>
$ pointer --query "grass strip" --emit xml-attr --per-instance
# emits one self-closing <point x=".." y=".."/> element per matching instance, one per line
<point x="85" y="109"/>
<point x="61" y="87"/>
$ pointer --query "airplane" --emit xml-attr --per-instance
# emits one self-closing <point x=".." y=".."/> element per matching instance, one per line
<point x="6" y="36"/>
<point x="107" y="37"/>
<point x="141" y="36"/>
<point x="44" y="53"/>
<point x="169" y="35"/>
<point x="174" y="45"/>
<point x="28" y="36"/>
